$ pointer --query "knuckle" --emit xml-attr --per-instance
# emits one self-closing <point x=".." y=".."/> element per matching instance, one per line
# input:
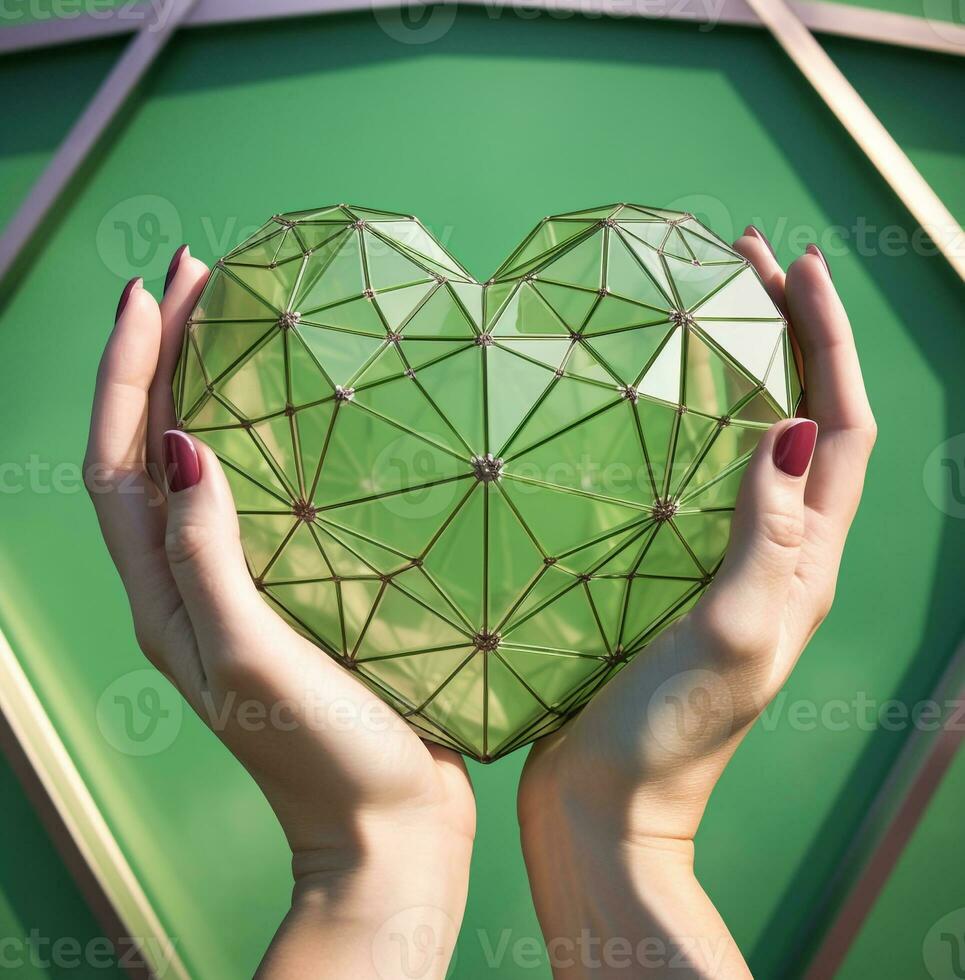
<point x="183" y="543"/>
<point x="782" y="530"/>
<point x="100" y="479"/>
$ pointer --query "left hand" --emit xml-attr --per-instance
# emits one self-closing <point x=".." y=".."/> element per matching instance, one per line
<point x="380" y="823"/>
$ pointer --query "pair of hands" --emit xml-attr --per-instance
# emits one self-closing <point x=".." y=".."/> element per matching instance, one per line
<point x="381" y="823"/>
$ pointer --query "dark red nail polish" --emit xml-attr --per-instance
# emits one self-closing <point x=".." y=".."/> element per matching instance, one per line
<point x="126" y="295"/>
<point x="795" y="447"/>
<point x="173" y="267"/>
<point x="757" y="233"/>
<point x="812" y="249"/>
<point x="181" y="461"/>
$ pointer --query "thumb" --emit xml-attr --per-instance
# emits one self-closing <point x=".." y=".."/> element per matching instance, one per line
<point x="203" y="543"/>
<point x="747" y="596"/>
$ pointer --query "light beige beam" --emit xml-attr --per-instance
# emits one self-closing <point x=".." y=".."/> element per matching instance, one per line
<point x="865" y="129"/>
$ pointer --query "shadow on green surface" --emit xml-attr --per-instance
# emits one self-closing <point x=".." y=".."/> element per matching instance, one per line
<point x="46" y="928"/>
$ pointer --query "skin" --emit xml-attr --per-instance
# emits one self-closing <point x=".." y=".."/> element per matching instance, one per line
<point x="380" y="823"/>
<point x="610" y="805"/>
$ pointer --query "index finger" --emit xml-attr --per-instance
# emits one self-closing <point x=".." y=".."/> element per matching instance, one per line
<point x="836" y="395"/>
<point x="188" y="276"/>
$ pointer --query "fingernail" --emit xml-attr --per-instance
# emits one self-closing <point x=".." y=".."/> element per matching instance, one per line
<point x="136" y="282"/>
<point x="812" y="249"/>
<point x="181" y="461"/>
<point x="173" y="267"/>
<point x="757" y="233"/>
<point x="795" y="447"/>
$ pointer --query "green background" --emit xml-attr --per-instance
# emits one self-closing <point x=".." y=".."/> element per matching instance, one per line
<point x="481" y="132"/>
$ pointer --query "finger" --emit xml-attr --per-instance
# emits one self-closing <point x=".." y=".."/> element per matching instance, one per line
<point x="183" y="285"/>
<point x="124" y="375"/>
<point x="202" y="540"/>
<point x="759" y="252"/>
<point x="129" y="505"/>
<point x="742" y="607"/>
<point x="237" y="631"/>
<point x="124" y="498"/>
<point x="755" y="247"/>
<point x="836" y="394"/>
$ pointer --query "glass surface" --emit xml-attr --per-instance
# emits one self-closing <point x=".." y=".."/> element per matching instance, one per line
<point x="484" y="498"/>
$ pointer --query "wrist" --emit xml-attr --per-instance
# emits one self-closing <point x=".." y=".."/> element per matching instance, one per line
<point x="613" y="904"/>
<point x="388" y="905"/>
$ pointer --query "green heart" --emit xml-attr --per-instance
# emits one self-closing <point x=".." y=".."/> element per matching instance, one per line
<point x="484" y="498"/>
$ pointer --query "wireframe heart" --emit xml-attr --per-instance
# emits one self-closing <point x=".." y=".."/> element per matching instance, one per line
<point x="485" y="499"/>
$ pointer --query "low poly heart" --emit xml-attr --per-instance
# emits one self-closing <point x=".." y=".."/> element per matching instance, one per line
<point x="484" y="499"/>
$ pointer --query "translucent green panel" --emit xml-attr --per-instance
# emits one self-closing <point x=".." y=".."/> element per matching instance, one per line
<point x="341" y="355"/>
<point x="409" y="675"/>
<point x="710" y="380"/>
<point x="550" y="674"/>
<point x="453" y="387"/>
<point x="614" y="313"/>
<point x="512" y="704"/>
<point x="484" y="498"/>
<point x="314" y="605"/>
<point x="256" y="386"/>
<point x="274" y="282"/>
<point x="334" y="274"/>
<point x="307" y="378"/>
<point x="441" y="315"/>
<point x="459" y="707"/>
<point x="514" y="560"/>
<point x="572" y="305"/>
<point x="745" y="342"/>
<point x="579" y="265"/>
<point x="262" y="537"/>
<point x="582" y="364"/>
<point x="549" y="237"/>
<point x="358" y="315"/>
<point x="414" y="240"/>
<point x="566" y="403"/>
<point x="526" y="312"/>
<point x="694" y="283"/>
<point x="450" y="558"/>
<point x="664" y="372"/>
<point x="628" y="353"/>
<point x="414" y="431"/>
<point x="623" y="276"/>
<point x="515" y="385"/>
<point x="404" y="625"/>
<point x="740" y="298"/>
<point x="226" y="298"/>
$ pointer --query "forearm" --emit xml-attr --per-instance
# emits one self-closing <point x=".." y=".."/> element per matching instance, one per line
<point x="614" y="908"/>
<point x="395" y="913"/>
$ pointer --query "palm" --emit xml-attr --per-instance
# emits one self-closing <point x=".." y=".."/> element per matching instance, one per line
<point x="320" y="745"/>
<point x="656" y="739"/>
